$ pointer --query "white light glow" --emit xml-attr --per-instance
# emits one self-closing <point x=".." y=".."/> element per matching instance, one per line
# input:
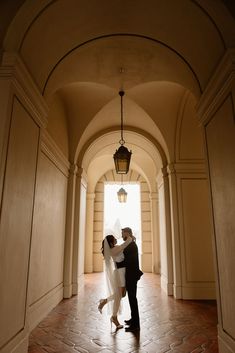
<point x="119" y="215"/>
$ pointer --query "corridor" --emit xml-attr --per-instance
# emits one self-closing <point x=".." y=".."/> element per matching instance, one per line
<point x="167" y="325"/>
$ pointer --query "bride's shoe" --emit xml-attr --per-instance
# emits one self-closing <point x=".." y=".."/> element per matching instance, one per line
<point x="102" y="303"/>
<point x="114" y="320"/>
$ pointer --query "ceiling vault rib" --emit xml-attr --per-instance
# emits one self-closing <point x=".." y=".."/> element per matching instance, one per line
<point x="122" y="35"/>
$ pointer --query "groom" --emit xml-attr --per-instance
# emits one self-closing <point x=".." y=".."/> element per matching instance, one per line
<point x="133" y="274"/>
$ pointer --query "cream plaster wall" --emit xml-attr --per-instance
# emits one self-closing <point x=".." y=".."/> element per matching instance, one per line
<point x="57" y="123"/>
<point x="47" y="246"/>
<point x="198" y="280"/>
<point x="32" y="212"/>
<point x="16" y="221"/>
<point x="220" y="132"/>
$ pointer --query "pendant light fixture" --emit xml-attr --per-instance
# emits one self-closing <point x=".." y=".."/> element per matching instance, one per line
<point x="122" y="156"/>
<point x="122" y="194"/>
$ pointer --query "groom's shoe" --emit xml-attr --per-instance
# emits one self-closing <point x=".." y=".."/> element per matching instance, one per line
<point x="128" y="322"/>
<point x="132" y="328"/>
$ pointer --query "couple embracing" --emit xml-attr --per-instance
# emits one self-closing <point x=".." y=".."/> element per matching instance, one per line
<point x="122" y="273"/>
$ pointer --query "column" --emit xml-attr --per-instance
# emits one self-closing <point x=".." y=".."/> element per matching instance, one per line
<point x="69" y="241"/>
<point x="79" y="231"/>
<point x="89" y="233"/>
<point x="155" y="231"/>
<point x="176" y="257"/>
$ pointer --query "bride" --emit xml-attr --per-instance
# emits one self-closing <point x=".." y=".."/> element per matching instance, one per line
<point x="115" y="275"/>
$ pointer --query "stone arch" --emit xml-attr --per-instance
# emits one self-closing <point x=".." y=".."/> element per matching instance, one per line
<point x="146" y="224"/>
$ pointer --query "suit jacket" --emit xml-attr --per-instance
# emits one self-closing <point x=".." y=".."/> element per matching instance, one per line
<point x="133" y="272"/>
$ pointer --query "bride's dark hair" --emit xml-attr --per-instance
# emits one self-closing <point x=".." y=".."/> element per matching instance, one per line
<point x="110" y="239"/>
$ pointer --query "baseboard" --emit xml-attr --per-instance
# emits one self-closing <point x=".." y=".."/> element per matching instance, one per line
<point x="41" y="308"/>
<point x="226" y="342"/>
<point x="166" y="286"/>
<point x="68" y="291"/>
<point x="19" y="344"/>
<point x="177" y="292"/>
<point x="199" y="292"/>
<point x="78" y="285"/>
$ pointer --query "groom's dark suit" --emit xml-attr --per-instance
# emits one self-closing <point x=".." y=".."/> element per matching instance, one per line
<point x="133" y="274"/>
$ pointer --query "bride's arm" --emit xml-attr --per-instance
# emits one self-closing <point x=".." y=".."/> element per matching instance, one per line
<point x="119" y="248"/>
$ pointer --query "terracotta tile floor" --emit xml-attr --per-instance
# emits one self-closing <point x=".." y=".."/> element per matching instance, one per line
<point x="167" y="325"/>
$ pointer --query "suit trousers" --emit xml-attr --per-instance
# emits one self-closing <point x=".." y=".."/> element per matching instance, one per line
<point x="131" y="288"/>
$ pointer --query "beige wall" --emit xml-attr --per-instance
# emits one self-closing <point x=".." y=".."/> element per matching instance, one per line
<point x="16" y="221"/>
<point x="47" y="246"/>
<point x="57" y="123"/>
<point x="198" y="281"/>
<point x="220" y="137"/>
<point x="187" y="269"/>
<point x="216" y="112"/>
<point x="33" y="202"/>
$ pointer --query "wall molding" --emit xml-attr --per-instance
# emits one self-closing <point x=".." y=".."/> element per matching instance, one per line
<point x="14" y="69"/>
<point x="41" y="308"/>
<point x="187" y="168"/>
<point x="19" y="344"/>
<point x="226" y="342"/>
<point x="218" y="87"/>
<point x="53" y="152"/>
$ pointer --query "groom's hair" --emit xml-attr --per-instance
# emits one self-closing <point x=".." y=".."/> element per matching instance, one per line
<point x="128" y="230"/>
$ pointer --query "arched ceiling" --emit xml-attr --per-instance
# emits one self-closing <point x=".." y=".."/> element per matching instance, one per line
<point x="85" y="51"/>
<point x="52" y="33"/>
<point x="98" y="158"/>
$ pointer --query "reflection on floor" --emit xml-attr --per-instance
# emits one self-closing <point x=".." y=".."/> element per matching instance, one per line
<point x="167" y="325"/>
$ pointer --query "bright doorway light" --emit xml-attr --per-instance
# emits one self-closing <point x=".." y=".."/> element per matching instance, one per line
<point x="119" y="215"/>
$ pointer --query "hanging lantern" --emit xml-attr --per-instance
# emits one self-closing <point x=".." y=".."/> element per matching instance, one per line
<point x="122" y="156"/>
<point x="122" y="195"/>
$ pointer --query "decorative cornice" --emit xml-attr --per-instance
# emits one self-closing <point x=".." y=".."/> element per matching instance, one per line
<point x="14" y="69"/>
<point x="51" y="149"/>
<point x="81" y="174"/>
<point x="73" y="170"/>
<point x="218" y="87"/>
<point x="186" y="168"/>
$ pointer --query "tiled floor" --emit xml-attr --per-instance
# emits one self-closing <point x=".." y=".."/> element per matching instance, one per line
<point x="167" y="325"/>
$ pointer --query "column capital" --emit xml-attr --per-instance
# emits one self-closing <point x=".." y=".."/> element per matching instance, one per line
<point x="164" y="172"/>
<point x="171" y="168"/>
<point x="73" y="169"/>
<point x="81" y="174"/>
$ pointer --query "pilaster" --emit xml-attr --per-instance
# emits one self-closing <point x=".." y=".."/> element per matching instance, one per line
<point x="154" y="200"/>
<point x="177" y="286"/>
<point x="167" y="282"/>
<point x="79" y="237"/>
<point x="69" y="241"/>
<point x="89" y="233"/>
